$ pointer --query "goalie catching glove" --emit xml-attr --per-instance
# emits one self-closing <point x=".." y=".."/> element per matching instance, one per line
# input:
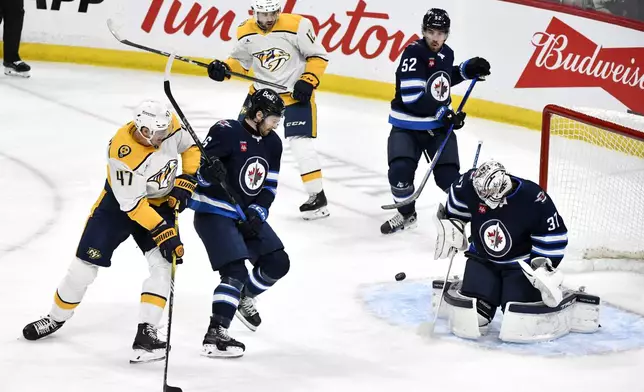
<point x="450" y="233"/>
<point x="167" y="239"/>
<point x="544" y="278"/>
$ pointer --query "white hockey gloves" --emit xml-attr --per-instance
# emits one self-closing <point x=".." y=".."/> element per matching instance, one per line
<point x="450" y="233"/>
<point x="544" y="278"/>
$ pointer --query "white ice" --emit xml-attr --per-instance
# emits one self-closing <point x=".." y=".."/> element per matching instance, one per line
<point x="316" y="335"/>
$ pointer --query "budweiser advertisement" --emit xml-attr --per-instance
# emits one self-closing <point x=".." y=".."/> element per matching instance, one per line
<point x="564" y="57"/>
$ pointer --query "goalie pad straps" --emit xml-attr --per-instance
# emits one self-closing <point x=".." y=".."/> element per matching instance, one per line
<point x="450" y="233"/>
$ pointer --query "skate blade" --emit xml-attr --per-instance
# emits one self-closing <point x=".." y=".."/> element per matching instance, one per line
<point x="246" y="323"/>
<point x="143" y="356"/>
<point x="320" y="213"/>
<point x="11" y="72"/>
<point x="211" y="351"/>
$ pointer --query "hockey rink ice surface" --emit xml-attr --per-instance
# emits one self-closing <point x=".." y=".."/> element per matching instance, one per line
<point x="337" y="322"/>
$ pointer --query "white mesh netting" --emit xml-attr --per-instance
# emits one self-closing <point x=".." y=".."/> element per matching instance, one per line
<point x="596" y="179"/>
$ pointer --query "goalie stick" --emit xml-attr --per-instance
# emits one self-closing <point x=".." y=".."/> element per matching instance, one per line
<point x="168" y="92"/>
<point x="416" y="194"/>
<point x="110" y="26"/>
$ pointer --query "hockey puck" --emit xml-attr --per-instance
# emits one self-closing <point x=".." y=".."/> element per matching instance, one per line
<point x="400" y="276"/>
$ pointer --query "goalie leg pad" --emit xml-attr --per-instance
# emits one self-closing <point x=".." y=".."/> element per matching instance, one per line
<point x="585" y="315"/>
<point x="155" y="288"/>
<point x="536" y="322"/>
<point x="467" y="318"/>
<point x="72" y="288"/>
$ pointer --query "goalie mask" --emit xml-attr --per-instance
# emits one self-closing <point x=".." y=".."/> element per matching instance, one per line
<point x="492" y="183"/>
<point x="153" y="121"/>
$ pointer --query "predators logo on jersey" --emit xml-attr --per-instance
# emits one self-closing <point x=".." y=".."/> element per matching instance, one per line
<point x="165" y="176"/>
<point x="272" y="59"/>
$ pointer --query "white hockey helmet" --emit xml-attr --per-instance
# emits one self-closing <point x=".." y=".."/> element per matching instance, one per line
<point x="154" y="116"/>
<point x="265" y="5"/>
<point x="492" y="183"/>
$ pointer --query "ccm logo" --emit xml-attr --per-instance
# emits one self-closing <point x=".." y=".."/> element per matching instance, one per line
<point x="55" y="4"/>
<point x="295" y="123"/>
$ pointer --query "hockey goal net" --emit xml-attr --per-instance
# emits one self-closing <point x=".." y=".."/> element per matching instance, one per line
<point x="592" y="165"/>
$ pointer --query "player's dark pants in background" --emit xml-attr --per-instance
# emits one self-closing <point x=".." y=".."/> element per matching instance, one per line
<point x="12" y="14"/>
<point x="404" y="149"/>
<point x="497" y="284"/>
<point x="108" y="226"/>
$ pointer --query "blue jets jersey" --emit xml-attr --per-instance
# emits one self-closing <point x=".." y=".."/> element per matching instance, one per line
<point x="252" y="164"/>
<point x="527" y="226"/>
<point x="423" y="84"/>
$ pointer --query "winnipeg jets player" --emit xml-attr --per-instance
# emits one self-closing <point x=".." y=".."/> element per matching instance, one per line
<point x="141" y="191"/>
<point x="514" y="223"/>
<point x="246" y="158"/>
<point x="283" y="48"/>
<point x="421" y="113"/>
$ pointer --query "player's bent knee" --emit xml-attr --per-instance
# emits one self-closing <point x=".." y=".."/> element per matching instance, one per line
<point x="276" y="265"/>
<point x="81" y="273"/>
<point x="401" y="170"/>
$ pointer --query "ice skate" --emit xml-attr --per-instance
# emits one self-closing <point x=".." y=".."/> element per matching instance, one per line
<point x="247" y="313"/>
<point x="41" y="328"/>
<point x="17" y="68"/>
<point x="218" y="344"/>
<point x="399" y="222"/>
<point x="147" y="346"/>
<point x="315" y="207"/>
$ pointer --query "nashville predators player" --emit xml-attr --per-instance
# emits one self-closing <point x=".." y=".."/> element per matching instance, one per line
<point x="141" y="192"/>
<point x="282" y="48"/>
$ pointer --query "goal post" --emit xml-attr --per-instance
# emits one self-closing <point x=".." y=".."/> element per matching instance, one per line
<point x="592" y="165"/>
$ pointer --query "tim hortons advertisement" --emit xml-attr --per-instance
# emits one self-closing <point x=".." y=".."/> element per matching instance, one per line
<point x="564" y="57"/>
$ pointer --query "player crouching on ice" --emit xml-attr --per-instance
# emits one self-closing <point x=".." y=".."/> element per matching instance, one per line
<point x="245" y="159"/>
<point x="139" y="198"/>
<point x="518" y="240"/>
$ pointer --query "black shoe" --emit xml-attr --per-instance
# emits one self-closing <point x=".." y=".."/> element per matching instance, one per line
<point x="17" y="68"/>
<point x="399" y="222"/>
<point x="41" y="328"/>
<point x="315" y="207"/>
<point x="218" y="344"/>
<point x="247" y="313"/>
<point x="147" y="346"/>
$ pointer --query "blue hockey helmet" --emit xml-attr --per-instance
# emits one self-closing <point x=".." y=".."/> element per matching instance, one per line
<point x="436" y="19"/>
<point x="266" y="101"/>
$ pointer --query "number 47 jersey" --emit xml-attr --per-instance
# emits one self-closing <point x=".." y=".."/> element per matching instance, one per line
<point x="526" y="226"/>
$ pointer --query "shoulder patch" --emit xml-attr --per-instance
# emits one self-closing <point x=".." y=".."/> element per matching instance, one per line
<point x="124" y="151"/>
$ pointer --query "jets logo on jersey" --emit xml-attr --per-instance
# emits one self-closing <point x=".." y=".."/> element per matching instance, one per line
<point x="495" y="238"/>
<point x="439" y="86"/>
<point x="272" y="59"/>
<point x="253" y="175"/>
<point x="164" y="177"/>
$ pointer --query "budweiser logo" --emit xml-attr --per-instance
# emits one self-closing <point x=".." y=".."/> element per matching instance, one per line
<point x="337" y="32"/>
<point x="563" y="57"/>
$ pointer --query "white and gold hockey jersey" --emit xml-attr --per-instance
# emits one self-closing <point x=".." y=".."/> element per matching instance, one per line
<point x="141" y="176"/>
<point x="288" y="52"/>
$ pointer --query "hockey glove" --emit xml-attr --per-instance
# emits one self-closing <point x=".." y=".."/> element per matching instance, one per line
<point x="218" y="71"/>
<point x="212" y="174"/>
<point x="167" y="239"/>
<point x="448" y="117"/>
<point x="303" y="89"/>
<point x="476" y="67"/>
<point x="184" y="187"/>
<point x="255" y="217"/>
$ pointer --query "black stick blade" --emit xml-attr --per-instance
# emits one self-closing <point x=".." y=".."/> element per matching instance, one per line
<point x="168" y="388"/>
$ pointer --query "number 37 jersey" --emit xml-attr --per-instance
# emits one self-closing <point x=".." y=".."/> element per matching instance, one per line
<point x="528" y="225"/>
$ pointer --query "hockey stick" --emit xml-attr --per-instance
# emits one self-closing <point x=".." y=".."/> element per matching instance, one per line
<point x="427" y="329"/>
<point x="184" y="120"/>
<point x="416" y="194"/>
<point x="166" y="387"/>
<point x="110" y="26"/>
<point x="476" y="156"/>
